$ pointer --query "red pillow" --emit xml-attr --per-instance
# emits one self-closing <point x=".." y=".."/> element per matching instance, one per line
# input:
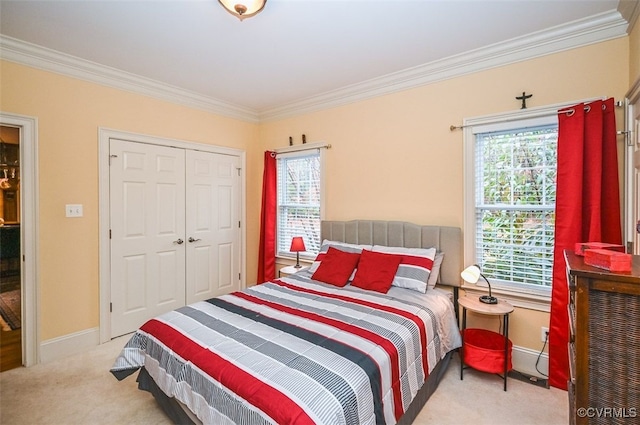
<point x="376" y="270"/>
<point x="336" y="267"/>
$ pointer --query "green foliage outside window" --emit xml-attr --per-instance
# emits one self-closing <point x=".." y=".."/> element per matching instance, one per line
<point x="515" y="204"/>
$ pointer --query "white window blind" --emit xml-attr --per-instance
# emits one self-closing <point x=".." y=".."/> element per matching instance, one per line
<point x="515" y="189"/>
<point x="299" y="200"/>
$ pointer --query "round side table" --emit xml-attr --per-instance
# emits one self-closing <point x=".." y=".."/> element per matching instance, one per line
<point x="494" y="348"/>
<point x="287" y="270"/>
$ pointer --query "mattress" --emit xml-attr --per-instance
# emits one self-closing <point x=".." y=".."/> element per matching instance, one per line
<point x="296" y="351"/>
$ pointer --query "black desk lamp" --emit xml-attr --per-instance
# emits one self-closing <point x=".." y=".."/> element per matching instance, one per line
<point x="472" y="274"/>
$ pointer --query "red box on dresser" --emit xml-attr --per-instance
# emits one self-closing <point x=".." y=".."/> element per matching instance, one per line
<point x="608" y="260"/>
<point x="581" y="247"/>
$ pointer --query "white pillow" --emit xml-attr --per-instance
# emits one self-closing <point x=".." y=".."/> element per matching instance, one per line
<point x="414" y="269"/>
<point x="435" y="270"/>
<point x="342" y="246"/>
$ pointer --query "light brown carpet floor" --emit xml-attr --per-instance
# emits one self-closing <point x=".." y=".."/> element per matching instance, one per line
<point x="80" y="390"/>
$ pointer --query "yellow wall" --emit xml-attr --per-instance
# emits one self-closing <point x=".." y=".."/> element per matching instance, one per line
<point x="634" y="54"/>
<point x="69" y="114"/>
<point x="394" y="157"/>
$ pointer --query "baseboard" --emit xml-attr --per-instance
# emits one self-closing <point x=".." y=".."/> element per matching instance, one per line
<point x="524" y="360"/>
<point x="67" y="345"/>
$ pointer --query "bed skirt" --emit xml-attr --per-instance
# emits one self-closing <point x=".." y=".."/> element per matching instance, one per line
<point x="176" y="412"/>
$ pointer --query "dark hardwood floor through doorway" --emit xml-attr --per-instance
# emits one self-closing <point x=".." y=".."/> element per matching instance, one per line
<point x="10" y="349"/>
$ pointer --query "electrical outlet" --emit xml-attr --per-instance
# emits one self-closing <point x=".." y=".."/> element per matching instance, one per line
<point x="544" y="332"/>
<point x="73" y="210"/>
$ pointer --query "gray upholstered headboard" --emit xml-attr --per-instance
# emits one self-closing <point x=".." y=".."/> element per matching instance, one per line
<point x="408" y="235"/>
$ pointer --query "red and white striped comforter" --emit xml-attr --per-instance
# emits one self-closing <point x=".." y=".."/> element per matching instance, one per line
<point x="296" y="351"/>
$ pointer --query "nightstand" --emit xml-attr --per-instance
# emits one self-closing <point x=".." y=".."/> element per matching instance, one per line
<point x="483" y="349"/>
<point x="287" y="270"/>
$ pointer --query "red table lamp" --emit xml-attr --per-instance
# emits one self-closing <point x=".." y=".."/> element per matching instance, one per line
<point x="297" y="245"/>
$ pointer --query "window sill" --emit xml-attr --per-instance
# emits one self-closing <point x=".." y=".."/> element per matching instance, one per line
<point x="527" y="300"/>
<point x="281" y="259"/>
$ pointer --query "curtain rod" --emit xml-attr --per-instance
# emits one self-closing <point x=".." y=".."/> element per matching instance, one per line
<point x="304" y="147"/>
<point x="587" y="108"/>
<point x="618" y="103"/>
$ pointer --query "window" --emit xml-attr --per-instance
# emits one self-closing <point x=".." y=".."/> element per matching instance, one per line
<point x="299" y="200"/>
<point x="512" y="197"/>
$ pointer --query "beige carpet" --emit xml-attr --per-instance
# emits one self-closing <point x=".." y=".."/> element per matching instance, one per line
<point x="80" y="390"/>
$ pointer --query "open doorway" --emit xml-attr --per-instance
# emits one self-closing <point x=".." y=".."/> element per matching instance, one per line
<point x="10" y="250"/>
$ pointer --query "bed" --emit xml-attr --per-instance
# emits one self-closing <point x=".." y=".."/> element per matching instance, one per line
<point x="300" y="350"/>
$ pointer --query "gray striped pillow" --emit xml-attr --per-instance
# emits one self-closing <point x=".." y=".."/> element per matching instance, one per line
<point x="415" y="267"/>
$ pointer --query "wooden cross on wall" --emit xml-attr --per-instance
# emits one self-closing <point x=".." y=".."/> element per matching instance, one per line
<point x="524" y="98"/>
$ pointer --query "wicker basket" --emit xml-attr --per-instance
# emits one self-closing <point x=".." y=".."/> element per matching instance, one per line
<point x="484" y="350"/>
<point x="614" y="364"/>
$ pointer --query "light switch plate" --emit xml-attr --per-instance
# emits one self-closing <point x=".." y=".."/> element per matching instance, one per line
<point x="73" y="210"/>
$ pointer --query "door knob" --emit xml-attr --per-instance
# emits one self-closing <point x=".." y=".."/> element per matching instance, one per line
<point x="179" y="241"/>
<point x="193" y="240"/>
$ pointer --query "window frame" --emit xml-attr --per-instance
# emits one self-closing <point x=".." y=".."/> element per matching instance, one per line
<point x="321" y="147"/>
<point x="522" y="295"/>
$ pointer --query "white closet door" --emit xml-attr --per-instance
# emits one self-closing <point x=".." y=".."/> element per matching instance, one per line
<point x="147" y="209"/>
<point x="213" y="225"/>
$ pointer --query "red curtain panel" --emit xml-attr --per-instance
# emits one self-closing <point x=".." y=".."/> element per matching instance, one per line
<point x="587" y="207"/>
<point x="267" y="249"/>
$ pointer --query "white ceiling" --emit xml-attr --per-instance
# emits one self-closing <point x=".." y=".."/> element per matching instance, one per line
<point x="294" y="49"/>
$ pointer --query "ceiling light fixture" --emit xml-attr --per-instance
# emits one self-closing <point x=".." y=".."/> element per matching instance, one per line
<point x="243" y="8"/>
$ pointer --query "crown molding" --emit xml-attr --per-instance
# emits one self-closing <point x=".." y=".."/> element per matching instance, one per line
<point x="595" y="29"/>
<point x="18" y="51"/>
<point x="630" y="11"/>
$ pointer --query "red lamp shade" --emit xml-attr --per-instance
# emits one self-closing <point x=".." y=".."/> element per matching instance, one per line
<point x="297" y="245"/>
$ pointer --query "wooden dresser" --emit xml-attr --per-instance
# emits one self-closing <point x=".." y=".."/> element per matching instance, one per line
<point x="604" y="344"/>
